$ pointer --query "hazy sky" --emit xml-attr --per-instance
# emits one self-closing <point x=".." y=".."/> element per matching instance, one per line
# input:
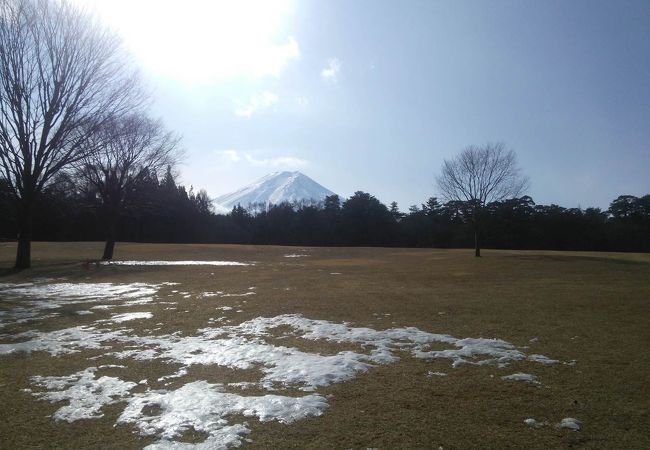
<point x="372" y="95"/>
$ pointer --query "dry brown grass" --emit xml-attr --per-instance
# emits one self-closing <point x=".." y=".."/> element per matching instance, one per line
<point x="591" y="307"/>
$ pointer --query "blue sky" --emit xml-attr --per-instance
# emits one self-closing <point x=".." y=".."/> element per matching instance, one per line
<point x="373" y="95"/>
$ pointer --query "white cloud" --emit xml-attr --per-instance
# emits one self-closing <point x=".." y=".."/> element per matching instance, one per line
<point x="229" y="155"/>
<point x="281" y="162"/>
<point x="256" y="103"/>
<point x="332" y="71"/>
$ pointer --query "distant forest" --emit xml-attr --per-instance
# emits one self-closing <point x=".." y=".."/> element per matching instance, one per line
<point x="163" y="211"/>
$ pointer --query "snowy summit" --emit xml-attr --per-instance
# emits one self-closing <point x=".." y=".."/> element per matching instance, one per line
<point x="273" y="189"/>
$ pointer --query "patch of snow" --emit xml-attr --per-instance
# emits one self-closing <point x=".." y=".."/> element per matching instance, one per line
<point x="119" y="318"/>
<point x="175" y="263"/>
<point x="18" y="315"/>
<point x="178" y="374"/>
<point x="245" y="294"/>
<point x="40" y="299"/>
<point x="494" y="351"/>
<point x="103" y="307"/>
<point x="534" y="423"/>
<point x="85" y="394"/>
<point x="570" y="423"/>
<point x="249" y="345"/>
<point x="542" y="359"/>
<point x="84" y="312"/>
<point x="211" y="294"/>
<point x="58" y="294"/>
<point x="437" y="374"/>
<point x="204" y="407"/>
<point x="141" y="301"/>
<point x="245" y="385"/>
<point x="295" y="255"/>
<point x="242" y="346"/>
<point x="526" y="377"/>
<point x="59" y="342"/>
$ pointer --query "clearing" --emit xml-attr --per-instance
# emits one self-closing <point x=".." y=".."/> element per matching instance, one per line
<point x="218" y="346"/>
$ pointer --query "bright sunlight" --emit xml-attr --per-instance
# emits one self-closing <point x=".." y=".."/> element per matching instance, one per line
<point x="201" y="40"/>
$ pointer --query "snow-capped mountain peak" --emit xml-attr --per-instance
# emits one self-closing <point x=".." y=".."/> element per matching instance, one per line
<point x="275" y="188"/>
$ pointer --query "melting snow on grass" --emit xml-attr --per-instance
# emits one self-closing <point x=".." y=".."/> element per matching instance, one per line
<point x="203" y="407"/>
<point x="86" y="395"/>
<point x="56" y="294"/>
<point x="526" y="377"/>
<point x="254" y="344"/>
<point x="542" y="359"/>
<point x="532" y="423"/>
<point x="21" y="315"/>
<point x="175" y="263"/>
<point x="570" y="423"/>
<point x="119" y="318"/>
<point x="436" y="374"/>
<point x="60" y="342"/>
<point x="41" y="298"/>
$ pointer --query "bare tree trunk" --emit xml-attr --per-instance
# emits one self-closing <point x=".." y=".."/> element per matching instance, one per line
<point x="109" y="247"/>
<point x="477" y="233"/>
<point x="24" y="251"/>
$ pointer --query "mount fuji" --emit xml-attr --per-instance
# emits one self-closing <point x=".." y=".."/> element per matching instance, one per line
<point x="273" y="189"/>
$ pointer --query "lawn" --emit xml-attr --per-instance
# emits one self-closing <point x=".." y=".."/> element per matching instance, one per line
<point x="323" y="348"/>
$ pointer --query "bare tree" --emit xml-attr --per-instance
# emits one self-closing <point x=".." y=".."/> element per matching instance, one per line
<point x="62" y="74"/>
<point x="128" y="150"/>
<point x="481" y="175"/>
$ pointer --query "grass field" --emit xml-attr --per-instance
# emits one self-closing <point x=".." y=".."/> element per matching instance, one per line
<point x="588" y="311"/>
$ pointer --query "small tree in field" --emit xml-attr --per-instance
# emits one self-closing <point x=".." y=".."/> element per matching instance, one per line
<point x="481" y="175"/>
<point x="127" y="151"/>
<point x="62" y="75"/>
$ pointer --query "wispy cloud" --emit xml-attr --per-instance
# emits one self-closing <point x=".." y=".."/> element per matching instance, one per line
<point x="331" y="72"/>
<point x="229" y="157"/>
<point x="281" y="162"/>
<point x="256" y="103"/>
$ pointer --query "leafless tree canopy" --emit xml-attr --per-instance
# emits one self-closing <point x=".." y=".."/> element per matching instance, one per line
<point x="483" y="175"/>
<point x="62" y="74"/>
<point x="126" y="149"/>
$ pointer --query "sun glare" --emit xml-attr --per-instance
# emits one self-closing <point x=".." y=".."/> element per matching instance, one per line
<point x="201" y="40"/>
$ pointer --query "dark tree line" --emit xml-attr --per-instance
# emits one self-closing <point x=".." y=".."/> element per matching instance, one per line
<point x="163" y="211"/>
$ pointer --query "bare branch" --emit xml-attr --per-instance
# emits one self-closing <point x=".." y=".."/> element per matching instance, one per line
<point x="482" y="174"/>
<point x="62" y="75"/>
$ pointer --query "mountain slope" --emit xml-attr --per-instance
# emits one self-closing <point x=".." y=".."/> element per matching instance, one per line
<point x="276" y="188"/>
